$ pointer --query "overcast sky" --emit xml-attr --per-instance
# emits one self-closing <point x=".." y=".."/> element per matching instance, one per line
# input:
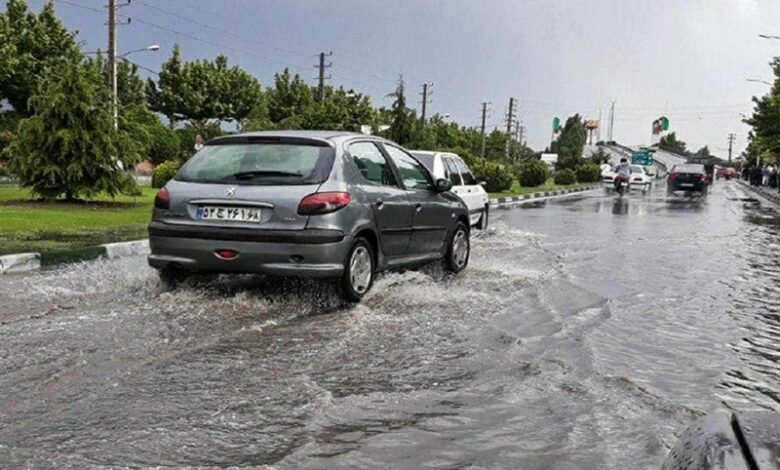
<point x="686" y="59"/>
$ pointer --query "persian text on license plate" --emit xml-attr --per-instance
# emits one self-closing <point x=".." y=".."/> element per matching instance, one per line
<point x="240" y="214"/>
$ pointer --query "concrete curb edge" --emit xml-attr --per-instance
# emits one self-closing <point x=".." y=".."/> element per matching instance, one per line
<point x="26" y="262"/>
<point x="501" y="201"/>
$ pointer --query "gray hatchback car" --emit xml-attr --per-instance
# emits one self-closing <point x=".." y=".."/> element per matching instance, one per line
<point x="306" y="203"/>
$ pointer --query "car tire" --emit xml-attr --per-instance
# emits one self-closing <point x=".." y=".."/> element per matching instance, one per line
<point x="483" y="221"/>
<point x="456" y="258"/>
<point x="359" y="271"/>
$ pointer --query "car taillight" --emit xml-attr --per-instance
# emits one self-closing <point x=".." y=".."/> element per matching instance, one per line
<point x="162" y="200"/>
<point x="672" y="176"/>
<point x="323" y="203"/>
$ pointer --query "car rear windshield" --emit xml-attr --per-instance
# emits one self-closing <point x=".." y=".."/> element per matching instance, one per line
<point x="259" y="164"/>
<point x="688" y="169"/>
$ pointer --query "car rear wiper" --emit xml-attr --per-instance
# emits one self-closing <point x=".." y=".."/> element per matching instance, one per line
<point x="245" y="175"/>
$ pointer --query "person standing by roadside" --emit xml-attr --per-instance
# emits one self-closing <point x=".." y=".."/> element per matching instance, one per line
<point x="764" y="176"/>
<point x="772" y="176"/>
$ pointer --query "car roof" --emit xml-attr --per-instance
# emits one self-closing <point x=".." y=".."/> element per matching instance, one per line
<point x="434" y="153"/>
<point x="321" y="135"/>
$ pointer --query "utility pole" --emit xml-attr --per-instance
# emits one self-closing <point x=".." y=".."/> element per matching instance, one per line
<point x="732" y="137"/>
<point x="112" y="82"/>
<point x="611" y="121"/>
<point x="321" y="78"/>
<point x="510" y="119"/>
<point x="425" y="93"/>
<point x="482" y="132"/>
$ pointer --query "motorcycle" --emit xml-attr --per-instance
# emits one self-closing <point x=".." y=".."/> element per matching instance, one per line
<point x="621" y="185"/>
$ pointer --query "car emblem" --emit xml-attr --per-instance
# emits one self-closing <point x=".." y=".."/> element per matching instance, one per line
<point x="231" y="192"/>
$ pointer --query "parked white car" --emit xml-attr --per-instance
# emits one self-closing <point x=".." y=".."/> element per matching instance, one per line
<point x="452" y="167"/>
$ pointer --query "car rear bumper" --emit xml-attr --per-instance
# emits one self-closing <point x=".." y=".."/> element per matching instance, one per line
<point x="695" y="187"/>
<point x="311" y="253"/>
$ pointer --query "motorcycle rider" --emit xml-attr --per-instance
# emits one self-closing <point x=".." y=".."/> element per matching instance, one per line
<point x="623" y="173"/>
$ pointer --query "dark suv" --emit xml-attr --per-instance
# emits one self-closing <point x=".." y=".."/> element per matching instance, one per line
<point x="310" y="203"/>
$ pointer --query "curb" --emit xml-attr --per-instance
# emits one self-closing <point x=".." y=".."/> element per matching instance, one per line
<point x="26" y="262"/>
<point x="771" y="196"/>
<point x="497" y="202"/>
<point x="20" y="262"/>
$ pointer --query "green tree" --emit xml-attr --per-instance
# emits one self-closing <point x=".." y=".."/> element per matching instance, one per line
<point x="29" y="44"/>
<point x="288" y="100"/>
<point x="573" y="136"/>
<point x="69" y="146"/>
<point x="402" y="123"/>
<point x="203" y="90"/>
<point x="670" y="143"/>
<point x="764" y="139"/>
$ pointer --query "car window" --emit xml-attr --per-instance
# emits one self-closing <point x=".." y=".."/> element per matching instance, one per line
<point x="468" y="178"/>
<point x="413" y="173"/>
<point x="426" y="158"/>
<point x="372" y="164"/>
<point x="451" y="172"/>
<point x="259" y="164"/>
<point x="637" y="169"/>
<point x="688" y="169"/>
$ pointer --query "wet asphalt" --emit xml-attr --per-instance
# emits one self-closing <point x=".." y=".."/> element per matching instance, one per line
<point x="587" y="332"/>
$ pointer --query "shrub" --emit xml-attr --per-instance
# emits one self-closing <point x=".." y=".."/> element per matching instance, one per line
<point x="532" y="173"/>
<point x="589" y="173"/>
<point x="566" y="176"/>
<point x="164" y="173"/>
<point x="497" y="176"/>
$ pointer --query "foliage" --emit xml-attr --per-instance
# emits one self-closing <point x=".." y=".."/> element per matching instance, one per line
<point x="670" y="143"/>
<point x="599" y="157"/>
<point x="30" y="44"/>
<point x="572" y="139"/>
<point x="532" y="173"/>
<point x="164" y="146"/>
<point x="69" y="145"/>
<point x="403" y="118"/>
<point x="569" y="162"/>
<point x="497" y="176"/>
<point x="203" y="90"/>
<point x="164" y="173"/>
<point x="565" y="176"/>
<point x="588" y="173"/>
<point x="764" y="139"/>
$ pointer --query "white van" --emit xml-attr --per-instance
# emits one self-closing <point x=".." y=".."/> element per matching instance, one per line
<point x="451" y="166"/>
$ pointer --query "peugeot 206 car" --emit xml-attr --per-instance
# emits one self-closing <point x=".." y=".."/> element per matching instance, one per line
<point x="306" y="203"/>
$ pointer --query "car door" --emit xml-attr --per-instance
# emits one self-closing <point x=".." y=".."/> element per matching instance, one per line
<point x="475" y="196"/>
<point x="389" y="202"/>
<point x="432" y="212"/>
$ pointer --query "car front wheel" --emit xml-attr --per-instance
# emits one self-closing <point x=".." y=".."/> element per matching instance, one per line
<point x="459" y="249"/>
<point x="358" y="271"/>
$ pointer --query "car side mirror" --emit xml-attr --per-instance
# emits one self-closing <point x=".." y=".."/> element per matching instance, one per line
<point x="483" y="184"/>
<point x="443" y="184"/>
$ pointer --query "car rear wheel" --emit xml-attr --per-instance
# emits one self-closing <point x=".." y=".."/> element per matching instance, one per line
<point x="171" y="278"/>
<point x="358" y="271"/>
<point x="459" y="249"/>
<point x="483" y="221"/>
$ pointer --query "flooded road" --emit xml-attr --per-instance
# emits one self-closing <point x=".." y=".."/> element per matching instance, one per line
<point x="586" y="333"/>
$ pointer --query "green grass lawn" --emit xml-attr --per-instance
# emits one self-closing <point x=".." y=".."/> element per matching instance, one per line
<point x="32" y="225"/>
<point x="517" y="190"/>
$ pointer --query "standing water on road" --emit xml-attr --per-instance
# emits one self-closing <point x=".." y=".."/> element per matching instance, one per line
<point x="586" y="333"/>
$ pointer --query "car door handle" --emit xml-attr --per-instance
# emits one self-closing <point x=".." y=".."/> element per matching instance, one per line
<point x="418" y="207"/>
<point x="380" y="203"/>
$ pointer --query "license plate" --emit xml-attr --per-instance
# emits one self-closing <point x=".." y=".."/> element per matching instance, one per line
<point x="686" y="185"/>
<point x="238" y="214"/>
